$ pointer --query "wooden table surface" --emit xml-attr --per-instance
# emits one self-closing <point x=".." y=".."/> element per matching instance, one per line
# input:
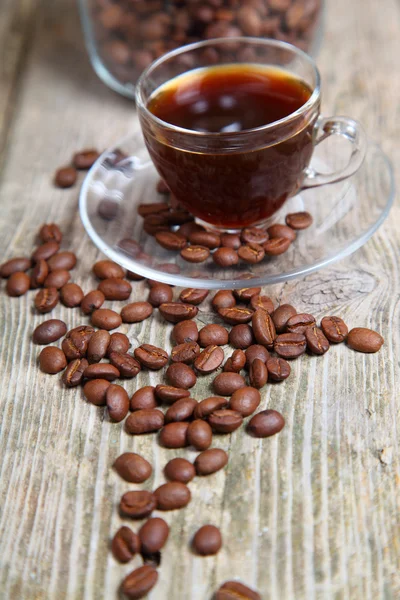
<point x="312" y="513"/>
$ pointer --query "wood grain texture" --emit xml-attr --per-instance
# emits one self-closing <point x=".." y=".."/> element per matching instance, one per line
<point x="310" y="514"/>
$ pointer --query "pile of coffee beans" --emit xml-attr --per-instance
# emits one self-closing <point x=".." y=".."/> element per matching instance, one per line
<point x="251" y="344"/>
<point x="130" y="35"/>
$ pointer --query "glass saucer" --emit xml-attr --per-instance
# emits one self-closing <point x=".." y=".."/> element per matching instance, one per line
<point x="345" y="214"/>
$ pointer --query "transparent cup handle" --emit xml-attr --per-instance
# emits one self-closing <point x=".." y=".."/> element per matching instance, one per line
<point x="353" y="132"/>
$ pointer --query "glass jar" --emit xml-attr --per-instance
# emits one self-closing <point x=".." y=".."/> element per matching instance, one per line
<point x="124" y="36"/>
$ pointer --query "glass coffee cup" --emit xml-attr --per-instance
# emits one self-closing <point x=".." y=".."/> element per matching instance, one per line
<point x="238" y="176"/>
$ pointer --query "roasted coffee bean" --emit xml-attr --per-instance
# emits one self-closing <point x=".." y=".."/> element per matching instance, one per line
<point x="185" y="331"/>
<point x="62" y="260"/>
<point x="153" y="208"/>
<point x="299" y="323"/>
<point x="143" y="398"/>
<point x="130" y="247"/>
<point x="281" y="231"/>
<point x="335" y="329"/>
<point x="46" y="299"/>
<point x="171" y="240"/>
<point x="153" y="535"/>
<point x="18" y="284"/>
<point x="290" y="345"/>
<point x="125" y="544"/>
<point x="125" y="363"/>
<point x="199" y="434"/>
<point x="226" y="383"/>
<point x="73" y="374"/>
<point x="134" y="276"/>
<point x="98" y="345"/>
<point x="138" y="504"/>
<point x="52" y="360"/>
<point x="225" y="420"/>
<point x="151" y="357"/>
<point x="179" y="469"/>
<point x="172" y="495"/>
<point x="132" y="467"/>
<point x="57" y="279"/>
<point x="45" y="251"/>
<point x="207" y="540"/>
<point x="195" y="254"/>
<point x="281" y="316"/>
<point x="108" y="269"/>
<point x="181" y="376"/>
<point x="223" y="299"/>
<point x="50" y="232"/>
<point x="155" y="223"/>
<point x="256" y="351"/>
<point x="160" y="294"/>
<point x="276" y="246"/>
<point x="266" y="423"/>
<point x="49" y="331"/>
<point x="246" y="294"/>
<point x="188" y="228"/>
<point x="236" y="362"/>
<point x="176" y="311"/>
<point x="241" y="336"/>
<point x="39" y="274"/>
<point x="236" y="315"/>
<point x="101" y="371"/>
<point x="108" y="209"/>
<point x="117" y="400"/>
<point x="278" y="369"/>
<point x="181" y="410"/>
<point x="316" y="340"/>
<point x="245" y="400"/>
<point x="193" y="296"/>
<point x="213" y="335"/>
<point x="169" y="393"/>
<point x="118" y="343"/>
<point x="253" y="235"/>
<point x="300" y="220"/>
<point x="225" y="257"/>
<point x="185" y="353"/>
<point x="205" y="238"/>
<point x="251" y="253"/>
<point x="71" y="295"/>
<point x="209" y="359"/>
<point x="85" y="159"/>
<point x="14" y="265"/>
<point x="104" y="318"/>
<point x="234" y="590"/>
<point x="210" y="461"/>
<point x="76" y="342"/>
<point x="178" y="216"/>
<point x="258" y="374"/>
<point x="230" y="240"/>
<point x="139" y="582"/>
<point x="263" y="302"/>
<point x="365" y="340"/>
<point x="209" y="405"/>
<point x="115" y="288"/>
<point x="95" y="391"/>
<point x="92" y="301"/>
<point x="144" y="421"/>
<point x="263" y="328"/>
<point x="173" y="435"/>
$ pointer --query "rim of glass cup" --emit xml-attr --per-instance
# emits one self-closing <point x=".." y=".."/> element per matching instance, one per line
<point x="312" y="101"/>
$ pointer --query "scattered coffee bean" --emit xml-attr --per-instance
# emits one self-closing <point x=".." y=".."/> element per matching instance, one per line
<point x="128" y="366"/>
<point x="290" y="345"/>
<point x="52" y="360"/>
<point x="230" y="240"/>
<point x="108" y="209"/>
<point x="234" y="590"/>
<point x="177" y="311"/>
<point x="226" y="383"/>
<point x="50" y="232"/>
<point x="225" y="420"/>
<point x="263" y="328"/>
<point x="256" y="351"/>
<point x="276" y="246"/>
<point x="281" y="316"/>
<point x="245" y="400"/>
<point x="49" y="331"/>
<point x="181" y="410"/>
<point x="335" y="329"/>
<point x="300" y="220"/>
<point x="213" y="334"/>
<point x="39" y="274"/>
<point x="57" y="279"/>
<point x="266" y="423"/>
<point x="105" y="318"/>
<point x="236" y="315"/>
<point x="207" y="540"/>
<point x="73" y="374"/>
<point x="153" y="535"/>
<point x="236" y="362"/>
<point x="180" y="375"/>
<point x="14" y="265"/>
<point x="258" y="374"/>
<point x="195" y="254"/>
<point x="246" y="294"/>
<point x="172" y="495"/>
<point x="253" y="235"/>
<point x="251" y="253"/>
<point x="263" y="302"/>
<point x="114" y="288"/>
<point x="130" y="247"/>
<point x="185" y="331"/>
<point x="193" y="296"/>
<point x="95" y="391"/>
<point x="98" y="345"/>
<point x="185" y="353"/>
<point x="225" y="257"/>
<point x="205" y="238"/>
<point x="223" y="299"/>
<point x="18" y="284"/>
<point x="207" y="406"/>
<point x="365" y="340"/>
<point x="85" y="159"/>
<point x="118" y="343"/>
<point x="76" y="341"/>
<point x="188" y="228"/>
<point x="173" y="435"/>
<point x="179" y="469"/>
<point x="144" y="421"/>
<point x="136" y="312"/>
<point x="117" y="401"/>
<point x="101" y="371"/>
<point x="143" y="398"/>
<point x="316" y="340"/>
<point x="171" y="240"/>
<point x="151" y="357"/>
<point x="278" y="369"/>
<point x="71" y="295"/>
<point x="299" y="323"/>
<point x="169" y="393"/>
<point x="281" y="231"/>
<point x="210" y="461"/>
<point x="45" y="251"/>
<point x="62" y="260"/>
<point x="199" y="434"/>
<point x="125" y="544"/>
<point x="138" y="504"/>
<point x="153" y="208"/>
<point x="108" y="269"/>
<point x="241" y="336"/>
<point x="132" y="467"/>
<point x="209" y="359"/>
<point x="139" y="582"/>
